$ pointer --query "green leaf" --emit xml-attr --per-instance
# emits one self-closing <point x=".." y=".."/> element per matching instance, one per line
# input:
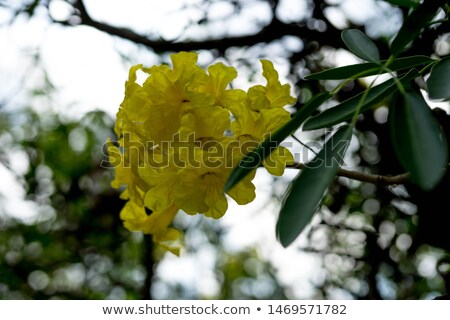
<point x="409" y="62"/>
<point x="417" y="140"/>
<point x="345" y="110"/>
<point x="404" y="3"/>
<point x="414" y="23"/>
<point x="358" y="43"/>
<point x="254" y="158"/>
<point x="369" y="68"/>
<point x="439" y="81"/>
<point x="308" y="188"/>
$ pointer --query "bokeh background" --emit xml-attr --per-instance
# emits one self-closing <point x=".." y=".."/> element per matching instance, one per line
<point x="63" y="64"/>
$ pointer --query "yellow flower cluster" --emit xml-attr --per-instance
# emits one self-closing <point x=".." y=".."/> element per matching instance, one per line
<point x="181" y="133"/>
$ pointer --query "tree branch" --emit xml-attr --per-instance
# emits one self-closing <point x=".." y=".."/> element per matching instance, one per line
<point x="273" y="31"/>
<point x="325" y="252"/>
<point x="365" y="177"/>
<point x="149" y="265"/>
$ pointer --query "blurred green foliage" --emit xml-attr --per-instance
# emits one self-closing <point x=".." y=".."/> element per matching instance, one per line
<point x="74" y="247"/>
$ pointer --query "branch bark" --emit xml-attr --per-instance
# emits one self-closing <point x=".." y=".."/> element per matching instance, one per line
<point x="365" y="177"/>
<point x="273" y="31"/>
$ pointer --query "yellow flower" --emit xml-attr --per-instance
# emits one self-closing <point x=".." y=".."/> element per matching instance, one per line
<point x="180" y="135"/>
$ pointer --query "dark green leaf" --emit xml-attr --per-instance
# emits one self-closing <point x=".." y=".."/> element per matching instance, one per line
<point x="360" y="44"/>
<point x="414" y="23"/>
<point x="345" y="110"/>
<point x="439" y="81"/>
<point x="353" y="71"/>
<point x="417" y="140"/>
<point x="404" y="3"/>
<point x="254" y="158"/>
<point x="307" y="190"/>
<point x="368" y="69"/>
<point x="409" y="62"/>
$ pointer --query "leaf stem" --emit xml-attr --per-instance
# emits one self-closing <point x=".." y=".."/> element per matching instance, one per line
<point x="303" y="144"/>
<point x="361" y="102"/>
<point x="385" y="67"/>
<point x="355" y="77"/>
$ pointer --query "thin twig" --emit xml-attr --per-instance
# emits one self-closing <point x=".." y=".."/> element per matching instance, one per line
<point x="365" y="177"/>
<point x="303" y="144"/>
<point x="325" y="252"/>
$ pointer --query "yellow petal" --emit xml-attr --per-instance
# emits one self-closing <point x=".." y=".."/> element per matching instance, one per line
<point x="247" y="125"/>
<point x="244" y="191"/>
<point x="257" y="98"/>
<point x="220" y="76"/>
<point x="206" y="123"/>
<point x="158" y="221"/>
<point x="214" y="196"/>
<point x="189" y="194"/>
<point x="278" y="94"/>
<point x="188" y="75"/>
<point x="134" y="216"/>
<point x="160" y="196"/>
<point x="136" y="219"/>
<point x="235" y="101"/>
<point x="169" y="240"/>
<point x="276" y="162"/>
<point x="136" y="100"/>
<point x="132" y="73"/>
<point x="183" y="60"/>
<point x="273" y="119"/>
<point x="161" y="181"/>
<point x="124" y="175"/>
<point x="258" y="125"/>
